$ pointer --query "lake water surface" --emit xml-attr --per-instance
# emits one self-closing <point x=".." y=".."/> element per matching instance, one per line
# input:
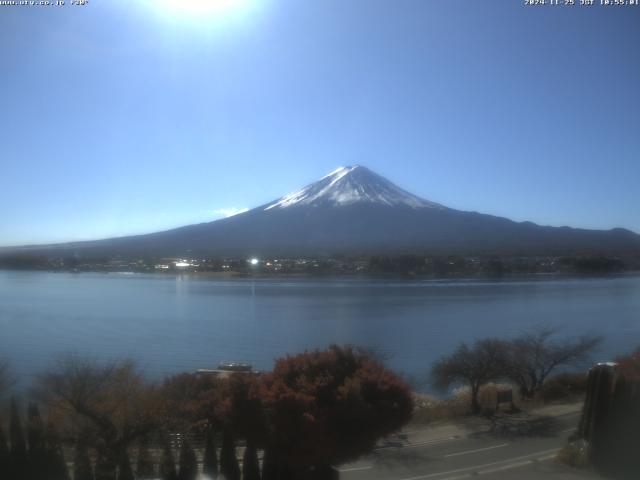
<point x="177" y="323"/>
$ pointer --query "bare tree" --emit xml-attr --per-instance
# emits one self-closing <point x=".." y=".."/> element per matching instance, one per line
<point x="534" y="355"/>
<point x="474" y="366"/>
<point x="108" y="405"/>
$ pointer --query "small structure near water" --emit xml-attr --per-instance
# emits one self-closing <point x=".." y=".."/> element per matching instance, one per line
<point x="227" y="368"/>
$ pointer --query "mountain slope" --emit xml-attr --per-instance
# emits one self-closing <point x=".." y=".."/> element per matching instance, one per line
<point x="355" y="211"/>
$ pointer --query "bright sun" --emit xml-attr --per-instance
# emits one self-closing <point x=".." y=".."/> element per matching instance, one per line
<point x="201" y="7"/>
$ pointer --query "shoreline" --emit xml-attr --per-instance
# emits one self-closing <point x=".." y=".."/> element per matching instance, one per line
<point x="530" y="276"/>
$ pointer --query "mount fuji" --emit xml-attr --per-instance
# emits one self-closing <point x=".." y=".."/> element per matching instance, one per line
<point x="353" y="210"/>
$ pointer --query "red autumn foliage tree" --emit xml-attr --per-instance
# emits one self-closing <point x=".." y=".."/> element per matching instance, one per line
<point x="241" y="415"/>
<point x="329" y="407"/>
<point x="190" y="401"/>
<point x="239" y="407"/>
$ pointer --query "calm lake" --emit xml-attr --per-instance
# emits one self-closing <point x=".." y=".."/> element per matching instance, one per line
<point x="181" y="323"/>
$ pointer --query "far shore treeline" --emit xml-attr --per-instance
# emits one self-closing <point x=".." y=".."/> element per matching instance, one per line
<point x="442" y="266"/>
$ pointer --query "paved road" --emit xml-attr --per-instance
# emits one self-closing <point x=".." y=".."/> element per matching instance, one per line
<point x="419" y="456"/>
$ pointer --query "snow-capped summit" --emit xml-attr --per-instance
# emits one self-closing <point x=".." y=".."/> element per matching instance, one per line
<point x="349" y="185"/>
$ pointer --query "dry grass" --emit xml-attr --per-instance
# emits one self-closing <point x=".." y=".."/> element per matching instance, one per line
<point x="574" y="454"/>
<point x="430" y="409"/>
<point x="561" y="389"/>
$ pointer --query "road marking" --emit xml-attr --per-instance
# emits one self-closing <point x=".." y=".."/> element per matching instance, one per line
<point x="568" y="430"/>
<point x="577" y="412"/>
<point x="420" y="430"/>
<point x="423" y="444"/>
<point x="547" y="457"/>
<point x="426" y="443"/>
<point x="517" y="461"/>
<point x="466" y="452"/>
<point x="505" y="467"/>
<point x="355" y="469"/>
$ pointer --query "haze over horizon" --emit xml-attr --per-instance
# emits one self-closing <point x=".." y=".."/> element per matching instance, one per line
<point x="133" y="118"/>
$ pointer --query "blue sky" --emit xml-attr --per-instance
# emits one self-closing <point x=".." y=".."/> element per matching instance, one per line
<point x="126" y="117"/>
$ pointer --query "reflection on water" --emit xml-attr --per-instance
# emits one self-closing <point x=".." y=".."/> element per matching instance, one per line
<point x="172" y="323"/>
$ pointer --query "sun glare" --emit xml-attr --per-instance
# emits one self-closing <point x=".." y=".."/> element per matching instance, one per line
<point x="201" y="7"/>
